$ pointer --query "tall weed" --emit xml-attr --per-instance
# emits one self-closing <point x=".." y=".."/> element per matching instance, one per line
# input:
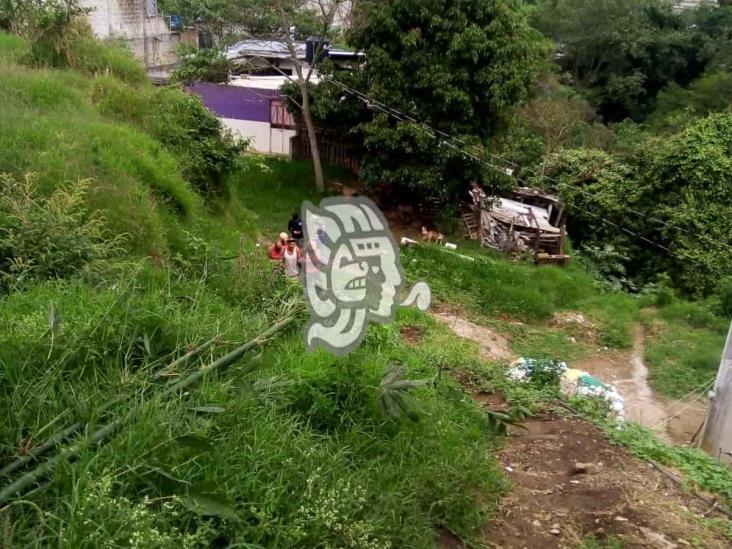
<point x="50" y="237"/>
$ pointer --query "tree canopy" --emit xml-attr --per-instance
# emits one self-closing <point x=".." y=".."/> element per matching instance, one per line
<point x="623" y="52"/>
<point x="458" y="66"/>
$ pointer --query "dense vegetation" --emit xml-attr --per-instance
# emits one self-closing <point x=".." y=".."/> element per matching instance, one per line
<point x="130" y="234"/>
<point x="114" y="264"/>
<point x="628" y="121"/>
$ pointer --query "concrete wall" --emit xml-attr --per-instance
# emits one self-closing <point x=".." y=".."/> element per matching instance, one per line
<point x="263" y="137"/>
<point x="148" y="37"/>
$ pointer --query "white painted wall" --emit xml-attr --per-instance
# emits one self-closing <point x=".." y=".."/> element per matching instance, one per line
<point x="280" y="140"/>
<point x="263" y="138"/>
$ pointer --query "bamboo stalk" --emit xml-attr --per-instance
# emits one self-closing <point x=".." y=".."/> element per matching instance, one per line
<point x="53" y="440"/>
<point x="98" y="436"/>
<point x="42" y="449"/>
<point x="180" y="360"/>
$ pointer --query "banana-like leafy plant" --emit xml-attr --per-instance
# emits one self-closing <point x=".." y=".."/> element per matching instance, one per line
<point x="499" y="421"/>
<point x="394" y="398"/>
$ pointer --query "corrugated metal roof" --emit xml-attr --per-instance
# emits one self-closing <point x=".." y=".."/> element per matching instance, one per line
<point x="270" y="49"/>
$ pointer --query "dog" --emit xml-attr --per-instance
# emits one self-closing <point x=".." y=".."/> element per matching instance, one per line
<point x="430" y="236"/>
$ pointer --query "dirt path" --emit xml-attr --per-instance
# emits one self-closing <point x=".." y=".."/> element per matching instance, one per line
<point x="552" y="505"/>
<point x="671" y="420"/>
<point x="492" y="345"/>
<point x="570" y="482"/>
<point x="629" y="374"/>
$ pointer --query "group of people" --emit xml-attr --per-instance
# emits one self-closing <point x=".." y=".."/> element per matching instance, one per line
<point x="288" y="248"/>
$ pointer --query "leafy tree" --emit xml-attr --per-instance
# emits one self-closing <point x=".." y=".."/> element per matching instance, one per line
<point x="677" y="106"/>
<point x="459" y="66"/>
<point x="690" y="177"/>
<point x="715" y="23"/>
<point x="680" y="191"/>
<point x="556" y="117"/>
<point x="623" y="51"/>
<point x="208" y="65"/>
<point x="253" y="17"/>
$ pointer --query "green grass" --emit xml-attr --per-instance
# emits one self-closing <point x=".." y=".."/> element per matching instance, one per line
<point x="49" y="127"/>
<point x="490" y="288"/>
<point x="292" y="451"/>
<point x="592" y="542"/>
<point x="684" y="347"/>
<point x="299" y="453"/>
<point x="277" y="188"/>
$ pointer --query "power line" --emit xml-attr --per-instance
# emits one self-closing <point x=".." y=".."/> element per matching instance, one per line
<point x="444" y="137"/>
<point x="481" y="150"/>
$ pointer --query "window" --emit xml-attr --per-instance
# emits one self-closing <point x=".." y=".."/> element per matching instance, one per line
<point x="152" y="8"/>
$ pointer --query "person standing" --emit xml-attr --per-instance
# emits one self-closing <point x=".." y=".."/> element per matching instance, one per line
<point x="276" y="249"/>
<point x="295" y="227"/>
<point x="291" y="259"/>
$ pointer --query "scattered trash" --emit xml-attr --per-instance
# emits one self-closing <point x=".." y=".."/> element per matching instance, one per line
<point x="450" y="246"/>
<point x="542" y="371"/>
<point x="509" y="469"/>
<point x="555" y="531"/>
<point x="579" y="383"/>
<point x="621" y="519"/>
<point x="572" y="382"/>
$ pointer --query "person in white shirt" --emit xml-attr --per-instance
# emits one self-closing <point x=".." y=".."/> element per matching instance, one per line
<point x="291" y="259"/>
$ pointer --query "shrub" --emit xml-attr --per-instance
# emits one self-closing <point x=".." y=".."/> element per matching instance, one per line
<point x="88" y="55"/>
<point x="208" y="65"/>
<point x="50" y="237"/>
<point x="59" y="36"/>
<point x="725" y="297"/>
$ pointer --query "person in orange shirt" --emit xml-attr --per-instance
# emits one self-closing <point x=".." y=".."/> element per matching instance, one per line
<point x="275" y="250"/>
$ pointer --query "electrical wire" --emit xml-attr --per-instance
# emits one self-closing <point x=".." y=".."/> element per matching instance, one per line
<point x="449" y="140"/>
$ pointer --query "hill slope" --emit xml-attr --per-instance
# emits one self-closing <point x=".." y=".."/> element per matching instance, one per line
<point x="282" y="449"/>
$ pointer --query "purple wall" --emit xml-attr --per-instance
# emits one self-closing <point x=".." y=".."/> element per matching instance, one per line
<point x="235" y="102"/>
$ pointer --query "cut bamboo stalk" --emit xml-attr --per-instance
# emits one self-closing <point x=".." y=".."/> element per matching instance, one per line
<point x="42" y="449"/>
<point x="98" y="436"/>
<point x="72" y="429"/>
<point x="185" y="358"/>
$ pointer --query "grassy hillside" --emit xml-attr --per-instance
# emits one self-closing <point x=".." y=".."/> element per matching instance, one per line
<point x="290" y="451"/>
<point x="284" y="450"/>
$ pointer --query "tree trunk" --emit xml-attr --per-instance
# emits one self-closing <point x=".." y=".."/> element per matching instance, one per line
<point x="312" y="137"/>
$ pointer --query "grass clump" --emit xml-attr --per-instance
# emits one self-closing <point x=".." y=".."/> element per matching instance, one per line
<point x="293" y="454"/>
<point x="492" y="287"/>
<point x="206" y="153"/>
<point x="683" y="347"/>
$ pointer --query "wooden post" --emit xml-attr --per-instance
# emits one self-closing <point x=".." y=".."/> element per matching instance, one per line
<point x="717" y="438"/>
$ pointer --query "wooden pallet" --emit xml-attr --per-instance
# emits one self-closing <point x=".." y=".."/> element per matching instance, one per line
<point x="471" y="224"/>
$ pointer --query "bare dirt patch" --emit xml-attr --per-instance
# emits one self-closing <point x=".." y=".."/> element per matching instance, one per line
<point x="492" y="345"/>
<point x="575" y="323"/>
<point x="551" y="505"/>
<point x="670" y="419"/>
<point x="411" y="334"/>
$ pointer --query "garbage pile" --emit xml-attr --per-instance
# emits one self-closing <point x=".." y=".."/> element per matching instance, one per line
<point x="572" y="382"/>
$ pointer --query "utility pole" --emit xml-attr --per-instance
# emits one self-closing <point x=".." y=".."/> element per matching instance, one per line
<point x="717" y="438"/>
